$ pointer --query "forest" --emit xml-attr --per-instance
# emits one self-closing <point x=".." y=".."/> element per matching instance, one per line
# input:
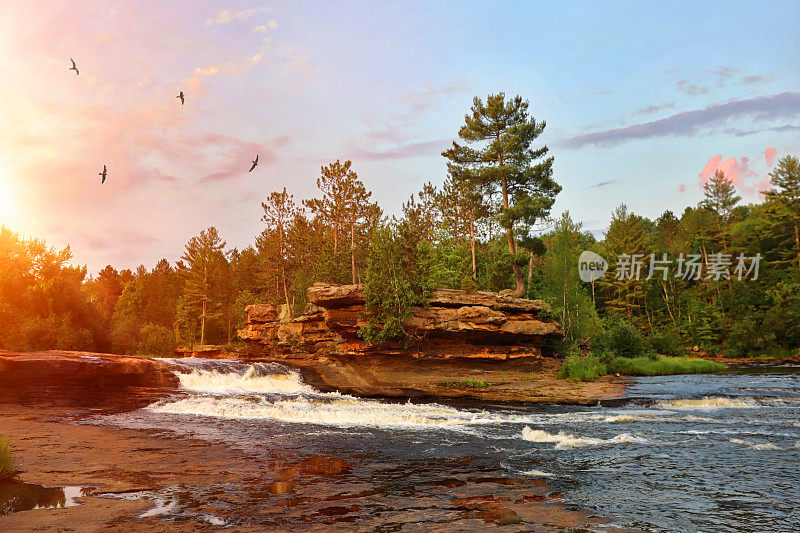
<point x="489" y="226"/>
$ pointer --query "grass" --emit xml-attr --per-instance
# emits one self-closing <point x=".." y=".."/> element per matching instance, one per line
<point x="663" y="366"/>
<point x="579" y="367"/>
<point x="468" y="383"/>
<point x="8" y="462"/>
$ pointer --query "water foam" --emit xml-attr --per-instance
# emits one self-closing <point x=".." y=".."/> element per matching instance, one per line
<point x="257" y="378"/>
<point x="564" y="440"/>
<point x="330" y="410"/>
<point x="708" y="402"/>
<point x="755" y="445"/>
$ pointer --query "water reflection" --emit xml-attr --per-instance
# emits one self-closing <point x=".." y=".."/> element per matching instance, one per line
<point x="15" y="496"/>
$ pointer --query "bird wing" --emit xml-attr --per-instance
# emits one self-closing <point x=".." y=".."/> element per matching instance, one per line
<point x="73" y="62"/>
<point x="251" y="168"/>
<point x="256" y="158"/>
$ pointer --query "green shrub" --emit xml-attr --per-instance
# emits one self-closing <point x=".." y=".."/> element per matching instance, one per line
<point x="748" y="337"/>
<point x="8" y="462"/>
<point x="579" y="367"/>
<point x="468" y="383"/>
<point x="156" y="340"/>
<point x="469" y="284"/>
<point x="621" y="338"/>
<point x="398" y="278"/>
<point x="663" y="366"/>
<point x="666" y="342"/>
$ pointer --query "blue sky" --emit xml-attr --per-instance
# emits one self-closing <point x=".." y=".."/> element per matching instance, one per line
<point x="639" y="98"/>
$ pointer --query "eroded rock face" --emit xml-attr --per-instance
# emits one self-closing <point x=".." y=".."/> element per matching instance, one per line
<point x="89" y="369"/>
<point x="457" y="324"/>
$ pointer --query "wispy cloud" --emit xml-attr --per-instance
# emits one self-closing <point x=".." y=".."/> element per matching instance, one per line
<point x="418" y="149"/>
<point x="690" y="123"/>
<point x="769" y="155"/>
<point x="226" y="15"/>
<point x="602" y="184"/>
<point x="690" y="88"/>
<point x="654" y="108"/>
<point x="264" y="28"/>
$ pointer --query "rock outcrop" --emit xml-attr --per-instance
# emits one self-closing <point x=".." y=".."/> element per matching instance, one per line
<point x="89" y="370"/>
<point x="456" y="324"/>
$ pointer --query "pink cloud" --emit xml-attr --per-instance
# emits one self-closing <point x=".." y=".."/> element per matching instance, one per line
<point x="682" y="187"/>
<point x="739" y="172"/>
<point x="769" y="155"/>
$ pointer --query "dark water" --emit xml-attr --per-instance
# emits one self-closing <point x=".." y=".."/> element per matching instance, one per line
<point x="686" y="453"/>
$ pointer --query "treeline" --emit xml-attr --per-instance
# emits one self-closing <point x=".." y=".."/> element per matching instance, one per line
<point x="487" y="227"/>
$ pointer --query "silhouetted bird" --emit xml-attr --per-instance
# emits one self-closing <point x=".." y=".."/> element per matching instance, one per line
<point x="255" y="164"/>
<point x="181" y="97"/>
<point x="103" y="173"/>
<point x="74" y="67"/>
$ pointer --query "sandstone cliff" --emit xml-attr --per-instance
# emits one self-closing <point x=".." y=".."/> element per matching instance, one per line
<point x="457" y="324"/>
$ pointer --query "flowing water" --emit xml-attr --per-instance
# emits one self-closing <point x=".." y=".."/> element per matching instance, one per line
<point x="682" y="453"/>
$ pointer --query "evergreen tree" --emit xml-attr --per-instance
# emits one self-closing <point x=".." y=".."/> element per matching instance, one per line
<point x="279" y="211"/>
<point x="720" y="198"/>
<point x="783" y="200"/>
<point x="204" y="259"/>
<point x="502" y="132"/>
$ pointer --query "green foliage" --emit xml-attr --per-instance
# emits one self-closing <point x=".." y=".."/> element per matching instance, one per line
<point x="398" y="278"/>
<point x="498" y="159"/>
<point x="667" y="342"/>
<point x="468" y="384"/>
<point x="561" y="286"/>
<point x="749" y="337"/>
<point x="8" y="462"/>
<point x="205" y="268"/>
<point x="468" y="284"/>
<point x="663" y="366"/>
<point x="620" y="338"/>
<point x="156" y="340"/>
<point x="580" y="367"/>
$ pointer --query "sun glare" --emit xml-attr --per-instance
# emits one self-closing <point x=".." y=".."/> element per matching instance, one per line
<point x="9" y="199"/>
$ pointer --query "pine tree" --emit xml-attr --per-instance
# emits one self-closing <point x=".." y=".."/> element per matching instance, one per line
<point x="279" y="211"/>
<point x="783" y="200"/>
<point x="503" y="160"/>
<point x="626" y="237"/>
<point x="721" y="199"/>
<point x="203" y="257"/>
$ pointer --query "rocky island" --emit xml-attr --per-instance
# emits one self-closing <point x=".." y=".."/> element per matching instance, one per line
<point x="466" y="345"/>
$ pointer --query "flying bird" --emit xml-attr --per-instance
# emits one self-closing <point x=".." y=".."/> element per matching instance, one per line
<point x="103" y="173"/>
<point x="74" y="67"/>
<point x="255" y="164"/>
<point x="181" y="97"/>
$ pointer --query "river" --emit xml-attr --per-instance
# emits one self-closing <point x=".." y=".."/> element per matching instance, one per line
<point x="680" y="453"/>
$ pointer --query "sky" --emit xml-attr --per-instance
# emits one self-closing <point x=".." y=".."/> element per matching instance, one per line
<point x="643" y="101"/>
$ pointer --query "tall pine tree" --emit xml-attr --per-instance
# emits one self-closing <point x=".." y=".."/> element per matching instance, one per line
<point x="501" y="159"/>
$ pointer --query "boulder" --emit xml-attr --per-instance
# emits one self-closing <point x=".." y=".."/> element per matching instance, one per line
<point x="335" y="296"/>
<point x="261" y="313"/>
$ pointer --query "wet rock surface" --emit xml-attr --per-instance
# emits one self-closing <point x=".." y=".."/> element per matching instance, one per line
<point x="138" y="480"/>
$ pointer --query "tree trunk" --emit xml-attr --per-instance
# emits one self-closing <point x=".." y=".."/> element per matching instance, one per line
<point x="335" y="237"/>
<point x="530" y="269"/>
<point x="519" y="291"/>
<point x="472" y="244"/>
<point x="203" y="324"/>
<point x="797" y="242"/>
<point x="353" y="250"/>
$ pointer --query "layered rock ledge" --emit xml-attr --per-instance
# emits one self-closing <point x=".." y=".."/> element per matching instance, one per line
<point x="457" y="324"/>
<point x="56" y="366"/>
